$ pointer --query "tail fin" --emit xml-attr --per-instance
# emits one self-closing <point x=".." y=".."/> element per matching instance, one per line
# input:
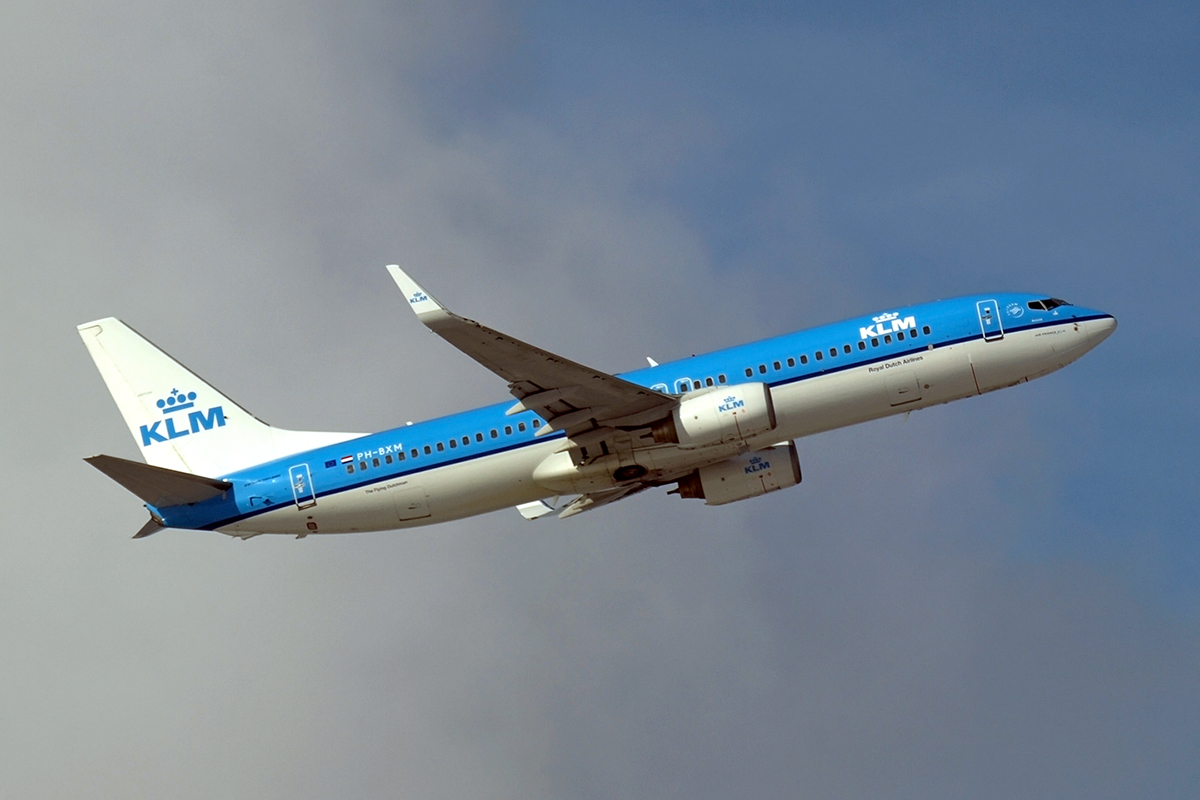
<point x="179" y="421"/>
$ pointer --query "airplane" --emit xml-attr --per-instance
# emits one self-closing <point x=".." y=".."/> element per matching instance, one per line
<point x="719" y="427"/>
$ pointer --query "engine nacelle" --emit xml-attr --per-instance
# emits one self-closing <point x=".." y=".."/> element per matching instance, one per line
<point x="748" y="475"/>
<point x="718" y="416"/>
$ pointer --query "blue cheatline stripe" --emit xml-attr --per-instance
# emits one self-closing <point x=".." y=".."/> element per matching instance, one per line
<point x="550" y="437"/>
<point x="851" y="364"/>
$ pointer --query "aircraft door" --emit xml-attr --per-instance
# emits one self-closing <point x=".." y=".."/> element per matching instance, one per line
<point x="902" y="387"/>
<point x="411" y="503"/>
<point x="989" y="320"/>
<point x="302" y="488"/>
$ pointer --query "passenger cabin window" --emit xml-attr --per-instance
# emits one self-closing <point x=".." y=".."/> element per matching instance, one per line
<point x="428" y="449"/>
<point x="708" y="381"/>
<point x="479" y="437"/>
<point x="362" y="465"/>
<point x="846" y="349"/>
<point x="833" y="352"/>
<point x="495" y="433"/>
<point x="350" y="468"/>
<point x="819" y="355"/>
<point x="862" y="345"/>
<point x="874" y="343"/>
<point x="508" y="430"/>
<point x="414" y="452"/>
<point x="791" y="362"/>
<point x="521" y="427"/>
<point x="900" y="335"/>
<point x="721" y="378"/>
<point x="762" y="369"/>
<point x="537" y="423"/>
<point x="375" y="463"/>
<point x="803" y="359"/>
<point x="749" y="372"/>
<point x="441" y="447"/>
<point x="777" y="366"/>
<point x="387" y="459"/>
<point x="466" y="440"/>
<point x="453" y="443"/>
<point x="887" y="339"/>
<point x="925" y="330"/>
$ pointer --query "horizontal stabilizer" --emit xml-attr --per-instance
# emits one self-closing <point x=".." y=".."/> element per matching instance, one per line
<point x="158" y="486"/>
<point x="149" y="529"/>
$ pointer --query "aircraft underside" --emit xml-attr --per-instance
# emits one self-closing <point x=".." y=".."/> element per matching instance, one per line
<point x="547" y="470"/>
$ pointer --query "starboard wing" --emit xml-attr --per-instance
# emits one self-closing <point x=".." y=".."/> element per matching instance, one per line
<point x="569" y="396"/>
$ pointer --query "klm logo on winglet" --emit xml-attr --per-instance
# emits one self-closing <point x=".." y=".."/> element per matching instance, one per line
<point x="887" y="323"/>
<point x="173" y="427"/>
<point x="418" y="297"/>
<point x="731" y="403"/>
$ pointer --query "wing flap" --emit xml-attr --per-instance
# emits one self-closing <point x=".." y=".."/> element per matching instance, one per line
<point x="587" y="502"/>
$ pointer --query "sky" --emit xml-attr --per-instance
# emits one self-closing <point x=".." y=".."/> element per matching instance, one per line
<point x="992" y="599"/>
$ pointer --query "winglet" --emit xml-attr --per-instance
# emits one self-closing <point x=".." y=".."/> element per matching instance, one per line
<point x="425" y="305"/>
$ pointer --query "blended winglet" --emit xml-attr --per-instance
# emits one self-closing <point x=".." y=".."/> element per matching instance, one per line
<point x="423" y="304"/>
<point x="571" y="397"/>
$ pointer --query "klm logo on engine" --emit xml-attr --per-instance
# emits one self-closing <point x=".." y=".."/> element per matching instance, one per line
<point x="174" y="426"/>
<point x="887" y="323"/>
<point x="731" y="403"/>
<point x="757" y="464"/>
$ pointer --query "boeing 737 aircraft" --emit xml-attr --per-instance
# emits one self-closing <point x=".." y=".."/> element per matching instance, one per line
<point x="719" y="427"/>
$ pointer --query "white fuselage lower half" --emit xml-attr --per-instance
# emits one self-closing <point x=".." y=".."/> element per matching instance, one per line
<point x="803" y="407"/>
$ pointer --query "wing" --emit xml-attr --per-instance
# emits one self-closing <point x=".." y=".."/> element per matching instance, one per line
<point x="569" y="396"/>
<point x="586" y="502"/>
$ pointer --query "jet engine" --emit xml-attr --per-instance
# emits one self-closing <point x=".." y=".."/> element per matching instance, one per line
<point x="717" y="416"/>
<point x="748" y="475"/>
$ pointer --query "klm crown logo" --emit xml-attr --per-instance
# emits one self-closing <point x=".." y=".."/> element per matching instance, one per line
<point x="174" y="427"/>
<point x="731" y="403"/>
<point x="757" y="464"/>
<point x="888" y="322"/>
<point x="178" y="401"/>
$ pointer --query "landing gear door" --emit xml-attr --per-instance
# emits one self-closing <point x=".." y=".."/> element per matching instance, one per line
<point x="302" y="488"/>
<point x="989" y="320"/>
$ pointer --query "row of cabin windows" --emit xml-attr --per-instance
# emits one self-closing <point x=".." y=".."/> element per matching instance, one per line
<point x="441" y="446"/>
<point x="833" y="351"/>
<point x="700" y="384"/>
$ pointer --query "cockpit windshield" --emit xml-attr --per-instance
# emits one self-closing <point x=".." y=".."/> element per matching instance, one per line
<point x="1049" y="304"/>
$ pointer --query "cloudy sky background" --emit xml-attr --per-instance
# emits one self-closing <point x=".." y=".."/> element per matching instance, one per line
<point x="998" y="598"/>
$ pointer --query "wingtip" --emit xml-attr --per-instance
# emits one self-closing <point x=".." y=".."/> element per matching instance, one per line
<point x="421" y="301"/>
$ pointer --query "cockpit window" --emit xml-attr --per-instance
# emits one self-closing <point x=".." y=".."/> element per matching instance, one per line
<point x="1049" y="304"/>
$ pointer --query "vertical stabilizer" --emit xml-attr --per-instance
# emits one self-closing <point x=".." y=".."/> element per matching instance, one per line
<point x="178" y="420"/>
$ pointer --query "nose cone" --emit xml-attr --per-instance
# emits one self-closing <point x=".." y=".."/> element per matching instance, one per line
<point x="1100" y="329"/>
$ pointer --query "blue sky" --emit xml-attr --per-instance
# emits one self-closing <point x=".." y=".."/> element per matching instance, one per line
<point x="996" y="598"/>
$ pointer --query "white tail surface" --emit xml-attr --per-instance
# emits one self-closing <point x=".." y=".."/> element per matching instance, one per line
<point x="179" y="420"/>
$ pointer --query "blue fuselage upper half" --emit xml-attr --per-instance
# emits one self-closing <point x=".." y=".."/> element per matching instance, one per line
<point x="804" y="355"/>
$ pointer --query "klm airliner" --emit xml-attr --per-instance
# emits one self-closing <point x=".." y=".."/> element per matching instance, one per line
<point x="717" y="427"/>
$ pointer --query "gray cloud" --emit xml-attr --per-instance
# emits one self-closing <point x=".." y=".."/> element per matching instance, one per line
<point x="994" y="598"/>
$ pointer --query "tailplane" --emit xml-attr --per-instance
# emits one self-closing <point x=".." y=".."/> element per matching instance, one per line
<point x="179" y="421"/>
